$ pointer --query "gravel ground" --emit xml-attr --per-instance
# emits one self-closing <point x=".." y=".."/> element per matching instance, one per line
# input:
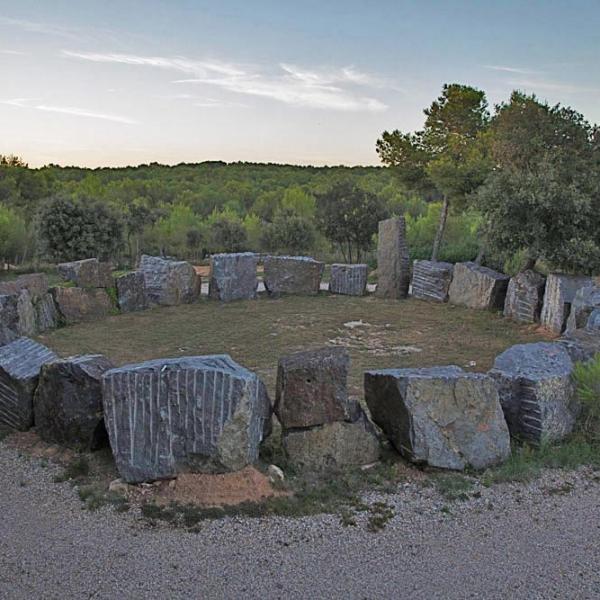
<point x="540" y="540"/>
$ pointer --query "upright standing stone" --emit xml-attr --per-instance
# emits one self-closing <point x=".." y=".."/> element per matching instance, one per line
<point x="233" y="276"/>
<point x="585" y="302"/>
<point x="475" y="286"/>
<point x="560" y="293"/>
<point x="525" y="296"/>
<point x="349" y="280"/>
<point x="593" y="322"/>
<point x="169" y="282"/>
<point x="131" y="292"/>
<point x="46" y="313"/>
<point x="393" y="262"/>
<point x="87" y="273"/>
<point x="292" y="275"/>
<point x="431" y="280"/>
<point x="77" y="305"/>
<point x="17" y="313"/>
<point x="199" y="414"/>
<point x="20" y="364"/>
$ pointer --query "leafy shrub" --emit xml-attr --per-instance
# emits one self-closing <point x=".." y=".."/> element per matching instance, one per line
<point x="587" y="376"/>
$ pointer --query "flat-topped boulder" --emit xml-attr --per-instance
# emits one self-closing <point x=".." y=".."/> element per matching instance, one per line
<point x="233" y="276"/>
<point x="478" y="287"/>
<point x="77" y="305"/>
<point x="349" y="280"/>
<point x="87" y="273"/>
<point x="431" y="280"/>
<point x="20" y="365"/>
<point x="35" y="283"/>
<point x="525" y="297"/>
<point x="559" y="294"/>
<point x="292" y="275"/>
<point x="585" y="302"/>
<point x="439" y="416"/>
<point x="67" y="405"/>
<point x="131" y="291"/>
<point x="169" y="282"/>
<point x="536" y="390"/>
<point x="189" y="414"/>
<point x="393" y="262"/>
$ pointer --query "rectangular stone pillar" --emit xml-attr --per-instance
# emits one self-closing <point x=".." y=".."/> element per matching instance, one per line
<point x="393" y="263"/>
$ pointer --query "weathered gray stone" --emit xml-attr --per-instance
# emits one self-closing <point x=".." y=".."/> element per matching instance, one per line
<point x="479" y="287"/>
<point x="439" y="416"/>
<point x="349" y="280"/>
<point x="67" y="404"/>
<point x="20" y="364"/>
<point x="536" y="391"/>
<point x="586" y="300"/>
<point x="35" y="283"/>
<point x="131" y="292"/>
<point x="525" y="296"/>
<point x="292" y="275"/>
<point x="87" y="273"/>
<point x="581" y="344"/>
<point x="431" y="280"/>
<point x="169" y="282"/>
<point x="393" y="262"/>
<point x="7" y="335"/>
<point x="17" y="313"/>
<point x="593" y="322"/>
<point x="558" y="296"/>
<point x="200" y="414"/>
<point x="233" y="276"/>
<point x="77" y="305"/>
<point x="46" y="313"/>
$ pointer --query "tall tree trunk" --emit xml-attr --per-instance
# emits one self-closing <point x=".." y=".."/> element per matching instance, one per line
<point x="437" y="242"/>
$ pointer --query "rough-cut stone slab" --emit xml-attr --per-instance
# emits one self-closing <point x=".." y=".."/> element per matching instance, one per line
<point x="525" y="296"/>
<point x="20" y="364"/>
<point x="349" y="280"/>
<point x="581" y="344"/>
<point x="89" y="272"/>
<point x="431" y="280"/>
<point x="479" y="287"/>
<point x="312" y="388"/>
<point x="169" y="282"/>
<point x="292" y="275"/>
<point x="17" y="313"/>
<point x="536" y="390"/>
<point x="586" y="300"/>
<point x="558" y="296"/>
<point x="233" y="276"/>
<point x="393" y="262"/>
<point x="439" y="416"/>
<point x="46" y="313"/>
<point x="67" y="405"/>
<point x="76" y="305"/>
<point x="201" y="413"/>
<point x="35" y="283"/>
<point x="131" y="292"/>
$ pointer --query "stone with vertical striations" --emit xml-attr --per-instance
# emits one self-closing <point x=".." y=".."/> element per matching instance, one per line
<point x="46" y="313"/>
<point x="131" y="292"/>
<point x="558" y="296"/>
<point x="479" y="287"/>
<point x="349" y="280"/>
<point x="524" y="297"/>
<point x="233" y="276"/>
<point x="77" y="305"/>
<point x="87" y="273"/>
<point x="431" y="280"/>
<point x="189" y="414"/>
<point x="393" y="262"/>
<point x="17" y="313"/>
<point x="169" y="282"/>
<point x="20" y="365"/>
<point x="586" y="300"/>
<point x="292" y="275"/>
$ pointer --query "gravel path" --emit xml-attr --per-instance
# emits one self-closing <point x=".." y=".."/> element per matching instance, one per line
<point x="513" y="541"/>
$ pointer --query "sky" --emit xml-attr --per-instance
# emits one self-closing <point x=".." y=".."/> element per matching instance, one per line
<point x="124" y="82"/>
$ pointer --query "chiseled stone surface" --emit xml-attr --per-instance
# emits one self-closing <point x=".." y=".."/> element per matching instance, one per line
<point x="558" y="296"/>
<point x="479" y="287"/>
<point x="233" y="276"/>
<point x="586" y="300"/>
<point x="169" y="282"/>
<point x="77" y="305"/>
<point x="198" y="414"/>
<point x="525" y="297"/>
<point x="536" y="390"/>
<point x="131" y="292"/>
<point x="349" y="280"/>
<point x="20" y="364"/>
<point x="431" y="280"/>
<point x="87" y="273"/>
<point x="292" y="275"/>
<point x="67" y="405"/>
<point x="393" y="262"/>
<point x="440" y="416"/>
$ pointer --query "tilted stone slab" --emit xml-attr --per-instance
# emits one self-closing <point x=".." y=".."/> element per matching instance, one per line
<point x="525" y="297"/>
<point x="478" y="287"/>
<point x="169" y="282"/>
<point x="536" y="390"/>
<point x="348" y="280"/>
<point x="431" y="280"/>
<point x="586" y="300"/>
<point x="77" y="305"/>
<point x="89" y="272"/>
<point x="393" y="262"/>
<point x="233" y="276"/>
<point x="131" y="292"/>
<point x="558" y="296"/>
<point x="20" y="365"/>
<point x="199" y="414"/>
<point x="292" y="275"/>
<point x="440" y="416"/>
<point x="67" y="404"/>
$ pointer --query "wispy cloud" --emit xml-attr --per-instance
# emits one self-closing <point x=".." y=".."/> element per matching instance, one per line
<point x="43" y="28"/>
<point x="14" y="52"/>
<point x="515" y="70"/>
<point x="546" y="85"/>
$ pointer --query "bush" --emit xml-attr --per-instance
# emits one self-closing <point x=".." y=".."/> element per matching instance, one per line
<point x="587" y="376"/>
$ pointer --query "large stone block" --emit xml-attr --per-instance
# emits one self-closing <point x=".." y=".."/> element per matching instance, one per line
<point x="439" y="416"/>
<point x="393" y="262"/>
<point x="201" y="413"/>
<point x="475" y="286"/>
<point x="558" y="296"/>
<point x="169" y="282"/>
<point x="525" y="296"/>
<point x="35" y="283"/>
<point x="131" y="292"/>
<point x="17" y="313"/>
<point x="586" y="300"/>
<point x="20" y="364"/>
<point x="233" y="276"/>
<point x="67" y="405"/>
<point x="46" y="313"/>
<point x="292" y="275"/>
<point x="431" y="280"/>
<point x="77" y="305"/>
<point x="349" y="280"/>
<point x="87" y="273"/>
<point x="581" y="344"/>
<point x="536" y="390"/>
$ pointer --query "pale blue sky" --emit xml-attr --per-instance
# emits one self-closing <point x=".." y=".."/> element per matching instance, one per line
<point x="126" y="82"/>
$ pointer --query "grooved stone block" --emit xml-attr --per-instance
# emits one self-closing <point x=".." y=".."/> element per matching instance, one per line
<point x="233" y="276"/>
<point x="292" y="275"/>
<point x="393" y="262"/>
<point x="350" y="280"/>
<point x="20" y="365"/>
<point x="558" y="296"/>
<point x="131" y="292"/>
<point x="440" y="416"/>
<point x="87" y="273"/>
<point x="585" y="302"/>
<point x="76" y="305"/>
<point x="475" y="286"/>
<point x="525" y="296"/>
<point x="169" y="282"/>
<point x="431" y="280"/>
<point x="198" y="414"/>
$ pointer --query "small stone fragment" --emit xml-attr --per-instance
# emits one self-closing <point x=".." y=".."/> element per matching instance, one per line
<point x="393" y="262"/>
<point x="233" y="276"/>
<point x="292" y="275"/>
<point x="431" y="280"/>
<point x="349" y="280"/>
<point x="275" y="474"/>
<point x="558" y="296"/>
<point x="478" y="287"/>
<point x="525" y="297"/>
